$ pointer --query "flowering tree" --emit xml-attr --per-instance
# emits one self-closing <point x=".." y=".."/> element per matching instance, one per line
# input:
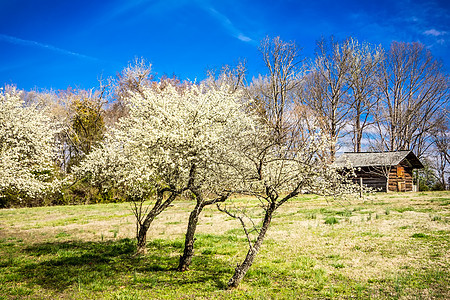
<point x="174" y="139"/>
<point x="27" y="148"/>
<point x="284" y="155"/>
<point x="279" y="169"/>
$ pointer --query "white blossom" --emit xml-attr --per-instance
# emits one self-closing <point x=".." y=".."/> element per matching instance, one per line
<point x="167" y="132"/>
<point x="27" y="146"/>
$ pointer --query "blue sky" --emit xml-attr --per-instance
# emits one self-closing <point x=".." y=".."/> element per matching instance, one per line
<point x="56" y="44"/>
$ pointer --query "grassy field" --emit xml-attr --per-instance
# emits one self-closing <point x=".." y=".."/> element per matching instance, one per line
<point x="387" y="246"/>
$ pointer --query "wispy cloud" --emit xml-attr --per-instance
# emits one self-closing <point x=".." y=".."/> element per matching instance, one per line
<point x="434" y="32"/>
<point x="244" y="38"/>
<point x="144" y="7"/>
<point x="228" y="25"/>
<point x="29" y="43"/>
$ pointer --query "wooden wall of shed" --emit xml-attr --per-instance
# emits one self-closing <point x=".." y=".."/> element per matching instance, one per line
<point x="403" y="183"/>
<point x="375" y="179"/>
<point x="371" y="178"/>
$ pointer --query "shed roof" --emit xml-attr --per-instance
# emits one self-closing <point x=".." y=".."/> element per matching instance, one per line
<point x="373" y="159"/>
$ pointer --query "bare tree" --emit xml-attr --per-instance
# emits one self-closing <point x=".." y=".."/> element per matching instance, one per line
<point x="441" y="135"/>
<point x="273" y="94"/>
<point x="441" y="168"/>
<point x="441" y="153"/>
<point x="303" y="124"/>
<point x="361" y="78"/>
<point x="134" y="78"/>
<point x="383" y="169"/>
<point x="232" y="76"/>
<point x="326" y="87"/>
<point x="412" y="89"/>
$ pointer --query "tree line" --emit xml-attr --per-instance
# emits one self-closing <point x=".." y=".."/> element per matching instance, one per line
<point x="136" y="138"/>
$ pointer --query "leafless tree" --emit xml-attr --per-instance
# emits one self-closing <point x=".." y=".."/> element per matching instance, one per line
<point x="383" y="169"/>
<point x="441" y="135"/>
<point x="133" y="79"/>
<point x="412" y="89"/>
<point x="361" y="78"/>
<point x="273" y="94"/>
<point x="326" y="86"/>
<point x="233" y="76"/>
<point x="441" y="147"/>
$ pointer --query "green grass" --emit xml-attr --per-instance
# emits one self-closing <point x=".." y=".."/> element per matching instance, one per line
<point x="385" y="247"/>
<point x="331" y="220"/>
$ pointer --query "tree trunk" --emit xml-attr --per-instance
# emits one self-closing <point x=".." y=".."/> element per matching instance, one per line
<point x="333" y="143"/>
<point x="188" y="253"/>
<point x="157" y="208"/>
<point x="444" y="184"/>
<point x="141" y="247"/>
<point x="358" y="129"/>
<point x="241" y="270"/>
<point x="141" y="237"/>
<point x="387" y="184"/>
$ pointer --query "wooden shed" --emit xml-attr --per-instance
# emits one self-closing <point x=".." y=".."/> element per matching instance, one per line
<point x="382" y="171"/>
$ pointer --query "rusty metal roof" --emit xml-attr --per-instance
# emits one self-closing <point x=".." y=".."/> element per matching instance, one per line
<point x="372" y="159"/>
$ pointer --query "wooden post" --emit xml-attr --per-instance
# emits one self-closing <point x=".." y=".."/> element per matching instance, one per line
<point x="418" y="183"/>
<point x="360" y="187"/>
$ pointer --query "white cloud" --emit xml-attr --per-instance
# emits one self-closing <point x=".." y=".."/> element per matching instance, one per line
<point x="163" y="6"/>
<point x="225" y="21"/>
<point x="434" y="32"/>
<point x="244" y="38"/>
<point x="18" y="41"/>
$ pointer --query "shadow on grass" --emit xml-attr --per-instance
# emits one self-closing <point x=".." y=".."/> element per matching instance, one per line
<point x="104" y="265"/>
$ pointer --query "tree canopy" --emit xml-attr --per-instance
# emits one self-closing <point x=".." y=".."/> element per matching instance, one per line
<point x="27" y="149"/>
